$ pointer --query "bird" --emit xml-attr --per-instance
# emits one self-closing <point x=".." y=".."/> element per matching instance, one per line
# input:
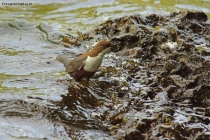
<point x="85" y="65"/>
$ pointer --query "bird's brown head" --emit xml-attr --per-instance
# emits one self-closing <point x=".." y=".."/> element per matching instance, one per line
<point x="103" y="45"/>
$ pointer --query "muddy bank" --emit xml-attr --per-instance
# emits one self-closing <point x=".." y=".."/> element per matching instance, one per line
<point x="157" y="85"/>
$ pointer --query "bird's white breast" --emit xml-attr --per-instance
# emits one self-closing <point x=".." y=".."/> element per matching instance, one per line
<point x="92" y="64"/>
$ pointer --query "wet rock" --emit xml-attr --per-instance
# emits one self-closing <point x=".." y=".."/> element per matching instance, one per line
<point x="131" y="65"/>
<point x="154" y="84"/>
<point x="200" y="92"/>
<point x="165" y="76"/>
<point x="146" y="93"/>
<point x="169" y="47"/>
<point x="170" y="65"/>
<point x="199" y="16"/>
<point x="120" y="134"/>
<point x="132" y="53"/>
<point x="162" y="74"/>
<point x="202" y="136"/>
<point x="159" y="36"/>
<point x="164" y="118"/>
<point x="203" y="92"/>
<point x="193" y="129"/>
<point x="199" y="110"/>
<point x="149" y="81"/>
<point x="207" y="111"/>
<point x="178" y="80"/>
<point x="206" y="120"/>
<point x="168" y="132"/>
<point x="133" y="134"/>
<point x="188" y="93"/>
<point x="183" y="69"/>
<point x="205" y="53"/>
<point x="117" y="119"/>
<point x="127" y="40"/>
<point x="170" y="90"/>
<point x="188" y="47"/>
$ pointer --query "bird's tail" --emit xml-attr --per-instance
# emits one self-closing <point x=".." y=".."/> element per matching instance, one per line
<point x="63" y="59"/>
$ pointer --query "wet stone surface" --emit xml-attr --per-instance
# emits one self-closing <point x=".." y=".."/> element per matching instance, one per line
<point x="161" y="70"/>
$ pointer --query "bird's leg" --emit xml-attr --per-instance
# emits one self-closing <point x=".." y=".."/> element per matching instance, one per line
<point x="85" y="82"/>
<point x="92" y="82"/>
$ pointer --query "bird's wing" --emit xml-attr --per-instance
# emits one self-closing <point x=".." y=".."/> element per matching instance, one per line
<point x="76" y="64"/>
<point x="71" y="65"/>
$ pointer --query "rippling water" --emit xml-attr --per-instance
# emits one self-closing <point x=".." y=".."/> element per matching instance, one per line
<point x="36" y="101"/>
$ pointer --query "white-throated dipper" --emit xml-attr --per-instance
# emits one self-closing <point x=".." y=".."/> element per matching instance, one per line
<point x="85" y="65"/>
